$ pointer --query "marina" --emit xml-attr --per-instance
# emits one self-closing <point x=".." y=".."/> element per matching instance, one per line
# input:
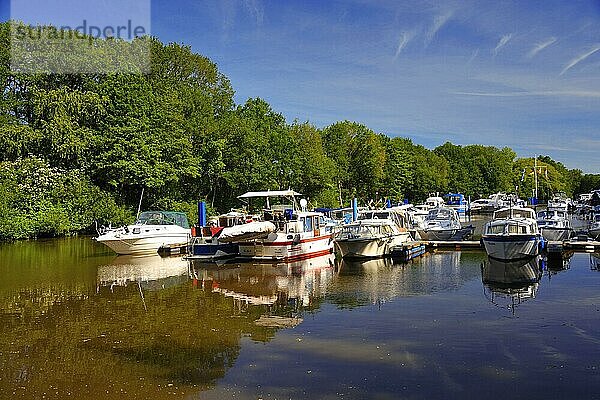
<point x="299" y="200"/>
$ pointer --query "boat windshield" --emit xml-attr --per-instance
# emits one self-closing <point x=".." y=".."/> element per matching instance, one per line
<point x="513" y="228"/>
<point x="163" y="218"/>
<point x="544" y="214"/>
<point x="439" y="214"/>
<point x="355" y="231"/>
<point x="374" y="214"/>
<point x="515" y="213"/>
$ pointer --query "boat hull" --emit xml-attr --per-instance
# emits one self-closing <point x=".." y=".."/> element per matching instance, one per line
<point x="511" y="247"/>
<point x="137" y="244"/>
<point x="437" y="234"/>
<point x="287" y="247"/>
<point x="370" y="248"/>
<point x="213" y="251"/>
<point x="556" y="234"/>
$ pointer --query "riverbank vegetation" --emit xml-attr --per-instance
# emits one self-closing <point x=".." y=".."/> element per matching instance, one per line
<point x="79" y="148"/>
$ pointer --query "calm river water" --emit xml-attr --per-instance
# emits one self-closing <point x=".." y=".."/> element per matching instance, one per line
<point x="78" y="322"/>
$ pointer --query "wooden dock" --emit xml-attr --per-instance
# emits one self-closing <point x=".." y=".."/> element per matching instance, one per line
<point x="573" y="245"/>
<point x="408" y="251"/>
<point x="173" y="249"/>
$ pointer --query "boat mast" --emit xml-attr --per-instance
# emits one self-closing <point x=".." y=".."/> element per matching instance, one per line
<point x="535" y="175"/>
<point x="140" y="204"/>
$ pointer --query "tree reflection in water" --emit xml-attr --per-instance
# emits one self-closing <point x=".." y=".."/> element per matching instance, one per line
<point x="143" y="329"/>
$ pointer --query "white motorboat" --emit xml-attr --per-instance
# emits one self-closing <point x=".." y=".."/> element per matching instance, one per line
<point x="512" y="234"/>
<point x="434" y="202"/>
<point x="479" y="205"/>
<point x="150" y="232"/>
<point x="500" y="200"/>
<point x="440" y="224"/>
<point x="298" y="234"/>
<point x="559" y="202"/>
<point x="373" y="235"/>
<point x="554" y="225"/>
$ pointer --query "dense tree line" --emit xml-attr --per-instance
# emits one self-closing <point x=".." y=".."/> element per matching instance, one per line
<point x="79" y="148"/>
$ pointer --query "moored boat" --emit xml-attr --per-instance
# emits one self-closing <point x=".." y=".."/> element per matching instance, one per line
<point x="554" y="225"/>
<point x="456" y="201"/>
<point x="512" y="234"/>
<point x="373" y="235"/>
<point x="559" y="202"/>
<point x="151" y="231"/>
<point x="440" y="224"/>
<point x="298" y="234"/>
<point x="207" y="244"/>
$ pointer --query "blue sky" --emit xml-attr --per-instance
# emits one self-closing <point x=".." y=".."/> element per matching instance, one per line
<point x="522" y="74"/>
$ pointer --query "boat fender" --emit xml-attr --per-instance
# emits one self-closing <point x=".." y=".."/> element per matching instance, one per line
<point x="296" y="240"/>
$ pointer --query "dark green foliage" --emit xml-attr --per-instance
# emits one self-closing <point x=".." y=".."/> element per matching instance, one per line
<point x="79" y="148"/>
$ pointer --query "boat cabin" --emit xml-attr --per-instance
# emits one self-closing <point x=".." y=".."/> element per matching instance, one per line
<point x="514" y="227"/>
<point x="371" y="230"/>
<point x="398" y="216"/>
<point x="515" y="212"/>
<point x="442" y="214"/>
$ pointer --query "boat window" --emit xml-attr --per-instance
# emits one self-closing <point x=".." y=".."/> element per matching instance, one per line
<point x="308" y="224"/>
<point x="513" y="229"/>
<point x="439" y="213"/>
<point x="495" y="229"/>
<point x="318" y="222"/>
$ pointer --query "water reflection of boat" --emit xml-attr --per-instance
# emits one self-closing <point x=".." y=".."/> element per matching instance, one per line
<point x="380" y="280"/>
<point x="280" y="285"/>
<point x="515" y="281"/>
<point x="151" y="271"/>
<point x="595" y="261"/>
<point x="558" y="261"/>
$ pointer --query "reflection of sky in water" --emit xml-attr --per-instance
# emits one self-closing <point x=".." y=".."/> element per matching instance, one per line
<point x="435" y="335"/>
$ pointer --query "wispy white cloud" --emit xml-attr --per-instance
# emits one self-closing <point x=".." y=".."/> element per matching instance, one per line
<point x="569" y="93"/>
<point x="473" y="57"/>
<point x="438" y="22"/>
<point x="256" y="9"/>
<point x="501" y="43"/>
<point x="541" y="46"/>
<point x="405" y="37"/>
<point x="579" y="59"/>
